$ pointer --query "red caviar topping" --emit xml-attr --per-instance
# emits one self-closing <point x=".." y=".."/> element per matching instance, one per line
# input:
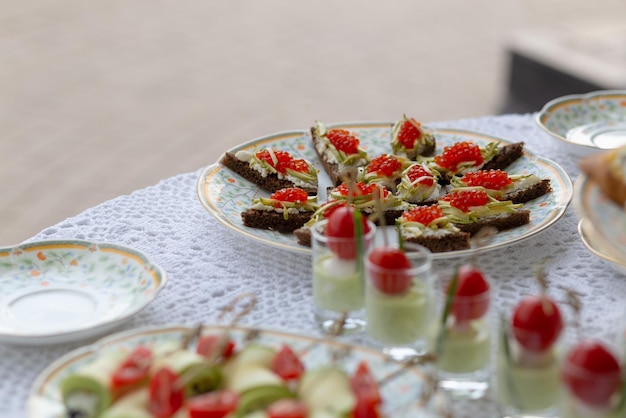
<point x="458" y="153"/>
<point x="464" y="200"/>
<point x="360" y="189"/>
<point x="416" y="171"/>
<point x="300" y="166"/>
<point x="343" y="141"/>
<point x="409" y="134"/>
<point x="282" y="159"/>
<point x="290" y="194"/>
<point x="489" y="179"/>
<point x="423" y="214"/>
<point x="384" y="165"/>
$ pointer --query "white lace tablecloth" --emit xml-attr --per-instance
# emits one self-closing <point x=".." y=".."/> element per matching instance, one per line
<point x="207" y="265"/>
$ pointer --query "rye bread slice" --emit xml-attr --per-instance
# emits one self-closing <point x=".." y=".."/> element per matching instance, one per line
<point x="271" y="182"/>
<point x="500" y="222"/>
<point x="454" y="241"/>
<point x="263" y="219"/>
<point x="530" y="193"/>
<point x="505" y="156"/>
<point x="332" y="169"/>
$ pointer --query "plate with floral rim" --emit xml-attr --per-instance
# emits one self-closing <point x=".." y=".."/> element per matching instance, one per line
<point x="225" y="194"/>
<point x="58" y="291"/>
<point x="401" y="394"/>
<point x="607" y="218"/>
<point x="586" y="123"/>
<point x="590" y="240"/>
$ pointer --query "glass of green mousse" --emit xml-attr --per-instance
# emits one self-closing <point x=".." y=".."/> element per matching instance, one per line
<point x="338" y="279"/>
<point x="399" y="299"/>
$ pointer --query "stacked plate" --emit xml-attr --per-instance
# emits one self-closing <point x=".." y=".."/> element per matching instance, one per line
<point x="602" y="227"/>
<point x="586" y="123"/>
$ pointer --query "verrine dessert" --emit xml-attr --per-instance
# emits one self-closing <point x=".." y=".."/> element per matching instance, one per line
<point x="463" y="342"/>
<point x="528" y="365"/>
<point x="338" y="278"/>
<point x="399" y="299"/>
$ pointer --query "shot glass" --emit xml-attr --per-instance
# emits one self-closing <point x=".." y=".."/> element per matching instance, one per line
<point x="399" y="303"/>
<point x="594" y="391"/>
<point x="528" y="383"/>
<point x="463" y="345"/>
<point x="338" y="280"/>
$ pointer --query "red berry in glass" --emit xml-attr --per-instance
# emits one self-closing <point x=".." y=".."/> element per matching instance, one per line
<point x="290" y="194"/>
<point x="423" y="214"/>
<point x="489" y="179"/>
<point x="389" y="271"/>
<point x="385" y="165"/>
<point x="465" y="200"/>
<point x="460" y="152"/>
<point x="592" y="373"/>
<point x="341" y="225"/>
<point x="418" y="173"/>
<point x="409" y="134"/>
<point x="537" y="323"/>
<point x="343" y="140"/>
<point x="471" y="297"/>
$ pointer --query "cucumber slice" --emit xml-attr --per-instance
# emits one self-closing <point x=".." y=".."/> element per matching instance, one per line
<point x="327" y="390"/>
<point x="259" y="398"/>
<point x="245" y="378"/>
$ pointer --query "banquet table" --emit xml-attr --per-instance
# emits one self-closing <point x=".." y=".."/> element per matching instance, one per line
<point x="207" y="265"/>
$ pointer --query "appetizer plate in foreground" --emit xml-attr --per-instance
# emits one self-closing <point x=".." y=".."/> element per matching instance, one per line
<point x="607" y="218"/>
<point x="401" y="395"/>
<point x="58" y="291"/>
<point x="586" y="123"/>
<point x="225" y="194"/>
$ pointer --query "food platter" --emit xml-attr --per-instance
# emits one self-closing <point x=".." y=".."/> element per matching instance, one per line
<point x="58" y="291"/>
<point x="607" y="218"/>
<point x="586" y="123"/>
<point x="401" y="394"/>
<point x="225" y="194"/>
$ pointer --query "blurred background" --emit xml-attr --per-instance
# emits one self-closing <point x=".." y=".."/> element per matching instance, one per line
<point x="99" y="98"/>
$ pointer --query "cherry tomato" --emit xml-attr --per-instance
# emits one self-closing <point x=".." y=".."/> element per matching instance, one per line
<point x="216" y="404"/>
<point x="389" y="270"/>
<point x="165" y="398"/>
<point x="286" y="364"/>
<point x="471" y="298"/>
<point x="341" y="225"/>
<point x="287" y="408"/>
<point x="592" y="373"/>
<point x="133" y="370"/>
<point x="364" y="386"/>
<point x="364" y="410"/>
<point x="537" y="323"/>
<point x="207" y="344"/>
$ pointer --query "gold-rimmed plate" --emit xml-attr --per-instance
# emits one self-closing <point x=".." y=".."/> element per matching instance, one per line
<point x="590" y="240"/>
<point x="225" y="194"/>
<point x="607" y="219"/>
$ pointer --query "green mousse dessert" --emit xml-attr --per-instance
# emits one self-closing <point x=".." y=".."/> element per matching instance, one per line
<point x="337" y="284"/>
<point x="398" y="319"/>
<point x="529" y="386"/>
<point x="465" y="349"/>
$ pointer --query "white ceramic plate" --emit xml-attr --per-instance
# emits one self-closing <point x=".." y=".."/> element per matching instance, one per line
<point x="589" y="238"/>
<point x="225" y="194"/>
<point x="585" y="123"/>
<point x="59" y="291"/>
<point x="607" y="218"/>
<point x="401" y="394"/>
